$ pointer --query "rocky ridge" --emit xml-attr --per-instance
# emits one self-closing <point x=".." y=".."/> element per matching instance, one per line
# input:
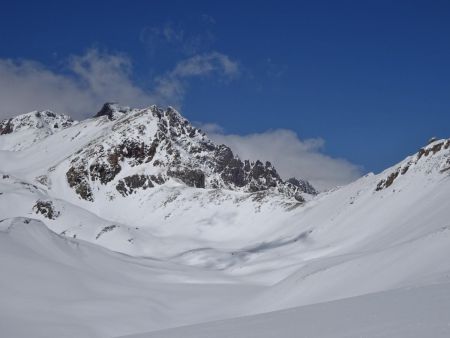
<point x="435" y="156"/>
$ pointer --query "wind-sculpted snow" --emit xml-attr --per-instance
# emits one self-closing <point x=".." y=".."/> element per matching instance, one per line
<point x="197" y="235"/>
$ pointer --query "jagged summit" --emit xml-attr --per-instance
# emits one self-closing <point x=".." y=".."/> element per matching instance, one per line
<point x="112" y="110"/>
<point x="151" y="146"/>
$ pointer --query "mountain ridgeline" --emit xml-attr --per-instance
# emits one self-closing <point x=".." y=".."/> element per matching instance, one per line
<point x="144" y="148"/>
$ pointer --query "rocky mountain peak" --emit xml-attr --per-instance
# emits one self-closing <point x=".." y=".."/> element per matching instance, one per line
<point x="152" y="146"/>
<point x="112" y="110"/>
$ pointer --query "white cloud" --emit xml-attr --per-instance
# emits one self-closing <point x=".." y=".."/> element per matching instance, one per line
<point x="206" y="64"/>
<point x="291" y="156"/>
<point x="94" y="78"/>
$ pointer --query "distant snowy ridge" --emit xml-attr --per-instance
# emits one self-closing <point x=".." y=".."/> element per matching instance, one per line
<point x="22" y="131"/>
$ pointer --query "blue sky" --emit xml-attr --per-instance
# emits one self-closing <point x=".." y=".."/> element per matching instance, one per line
<point x="365" y="81"/>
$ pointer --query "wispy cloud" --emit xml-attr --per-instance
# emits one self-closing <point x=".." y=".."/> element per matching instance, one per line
<point x="95" y="77"/>
<point x="172" y="85"/>
<point x="291" y="156"/>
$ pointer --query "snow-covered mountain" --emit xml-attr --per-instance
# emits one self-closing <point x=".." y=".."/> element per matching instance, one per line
<point x="207" y="235"/>
<point x="24" y="130"/>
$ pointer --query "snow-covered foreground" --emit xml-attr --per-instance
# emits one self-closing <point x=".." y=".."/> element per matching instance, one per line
<point x="51" y="286"/>
<point x="90" y="247"/>
<point x="417" y="312"/>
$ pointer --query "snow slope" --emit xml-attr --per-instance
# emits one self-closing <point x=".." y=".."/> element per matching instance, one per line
<point x="114" y="244"/>
<point x="417" y="312"/>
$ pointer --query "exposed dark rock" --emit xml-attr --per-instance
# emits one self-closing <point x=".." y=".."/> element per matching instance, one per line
<point x="298" y="196"/>
<point x="233" y="173"/>
<point x="390" y="179"/>
<point x="137" y="151"/>
<point x="190" y="177"/>
<point x="46" y="209"/>
<point x="223" y="156"/>
<point x="420" y="153"/>
<point x="302" y="185"/>
<point x="437" y="147"/>
<point x="67" y="123"/>
<point x="109" y="108"/>
<point x="105" y="229"/>
<point x="132" y="149"/>
<point x="6" y="127"/>
<point x="152" y="150"/>
<point x="405" y="169"/>
<point x="103" y="172"/>
<point x="208" y="146"/>
<point x="257" y="171"/>
<point x="247" y="166"/>
<point x="130" y="184"/>
<point x="157" y="179"/>
<point x="122" y="188"/>
<point x="434" y="149"/>
<point x="77" y="179"/>
<point x="385" y="183"/>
